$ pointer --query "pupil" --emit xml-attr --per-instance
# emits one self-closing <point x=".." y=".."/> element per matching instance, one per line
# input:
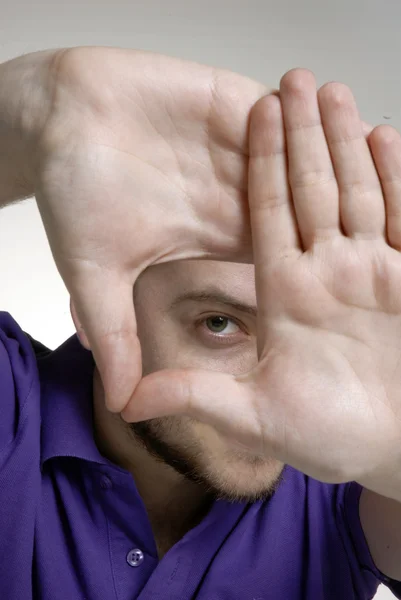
<point x="217" y="323"/>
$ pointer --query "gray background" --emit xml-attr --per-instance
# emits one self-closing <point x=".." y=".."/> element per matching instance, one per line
<point x="356" y="42"/>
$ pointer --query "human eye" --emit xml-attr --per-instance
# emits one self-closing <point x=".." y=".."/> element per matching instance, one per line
<point x="217" y="330"/>
<point x="221" y="325"/>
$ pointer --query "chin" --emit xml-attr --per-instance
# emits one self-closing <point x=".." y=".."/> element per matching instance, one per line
<point x="203" y="456"/>
<point x="237" y="475"/>
<point x="241" y="482"/>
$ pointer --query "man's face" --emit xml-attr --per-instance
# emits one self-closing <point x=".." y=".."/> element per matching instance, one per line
<point x="201" y="314"/>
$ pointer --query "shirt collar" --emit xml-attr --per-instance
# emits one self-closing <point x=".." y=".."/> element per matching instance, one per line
<point x="66" y="379"/>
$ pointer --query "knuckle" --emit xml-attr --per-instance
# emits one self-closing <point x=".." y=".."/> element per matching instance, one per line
<point x="310" y="178"/>
<point x="360" y="188"/>
<point x="270" y="205"/>
<point x="69" y="64"/>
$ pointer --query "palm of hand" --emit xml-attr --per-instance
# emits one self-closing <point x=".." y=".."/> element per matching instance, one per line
<point x="143" y="160"/>
<point x="328" y="273"/>
<point x="331" y="357"/>
<point x="324" y="396"/>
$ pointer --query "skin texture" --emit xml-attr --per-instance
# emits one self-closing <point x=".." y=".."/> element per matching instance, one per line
<point x="191" y="314"/>
<point x="142" y="160"/>
<point x="325" y="216"/>
<point x="137" y="159"/>
<point x="324" y="396"/>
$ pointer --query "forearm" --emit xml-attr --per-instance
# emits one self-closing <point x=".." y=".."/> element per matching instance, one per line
<point x="25" y="102"/>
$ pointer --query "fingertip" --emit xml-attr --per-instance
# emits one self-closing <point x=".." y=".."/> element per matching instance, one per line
<point x="159" y="394"/>
<point x="263" y="108"/>
<point x="297" y="80"/>
<point x="215" y="398"/>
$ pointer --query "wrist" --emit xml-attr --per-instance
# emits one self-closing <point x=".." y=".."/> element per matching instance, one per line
<point x="26" y="96"/>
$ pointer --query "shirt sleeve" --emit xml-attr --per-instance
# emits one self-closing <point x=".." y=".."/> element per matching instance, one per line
<point x="18" y="376"/>
<point x="357" y="544"/>
<point x="20" y="453"/>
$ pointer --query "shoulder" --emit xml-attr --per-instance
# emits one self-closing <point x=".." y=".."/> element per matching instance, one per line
<point x="19" y="378"/>
<point x="39" y="349"/>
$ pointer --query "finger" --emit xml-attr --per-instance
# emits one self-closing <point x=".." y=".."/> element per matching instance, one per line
<point x="311" y="175"/>
<point x="367" y="129"/>
<point x="218" y="399"/>
<point x="104" y="304"/>
<point x="274" y="229"/>
<point x="361" y="200"/>
<point x="385" y="145"/>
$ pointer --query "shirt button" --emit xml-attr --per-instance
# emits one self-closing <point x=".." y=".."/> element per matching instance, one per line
<point x="135" y="557"/>
<point x="106" y="483"/>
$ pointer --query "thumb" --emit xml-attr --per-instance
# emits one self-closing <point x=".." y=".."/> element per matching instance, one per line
<point x="223" y="401"/>
<point x="104" y="306"/>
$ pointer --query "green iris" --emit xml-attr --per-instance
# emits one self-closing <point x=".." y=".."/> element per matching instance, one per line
<point x="217" y="324"/>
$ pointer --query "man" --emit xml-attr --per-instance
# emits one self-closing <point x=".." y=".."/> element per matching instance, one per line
<point x="259" y="456"/>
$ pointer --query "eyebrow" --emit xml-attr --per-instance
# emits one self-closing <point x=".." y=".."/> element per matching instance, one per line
<point x="217" y="297"/>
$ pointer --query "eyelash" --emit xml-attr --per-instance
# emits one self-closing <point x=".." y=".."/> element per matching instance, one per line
<point x="216" y="336"/>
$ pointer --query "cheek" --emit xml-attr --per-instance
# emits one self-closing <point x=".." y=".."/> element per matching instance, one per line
<point x="167" y="346"/>
<point x="161" y="346"/>
<point x="170" y="351"/>
<point x="237" y="363"/>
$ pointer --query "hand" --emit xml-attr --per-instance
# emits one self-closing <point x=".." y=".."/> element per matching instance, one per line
<point x="325" y="396"/>
<point x="143" y="159"/>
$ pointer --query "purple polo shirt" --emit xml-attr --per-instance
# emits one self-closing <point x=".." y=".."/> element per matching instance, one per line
<point x="73" y="525"/>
